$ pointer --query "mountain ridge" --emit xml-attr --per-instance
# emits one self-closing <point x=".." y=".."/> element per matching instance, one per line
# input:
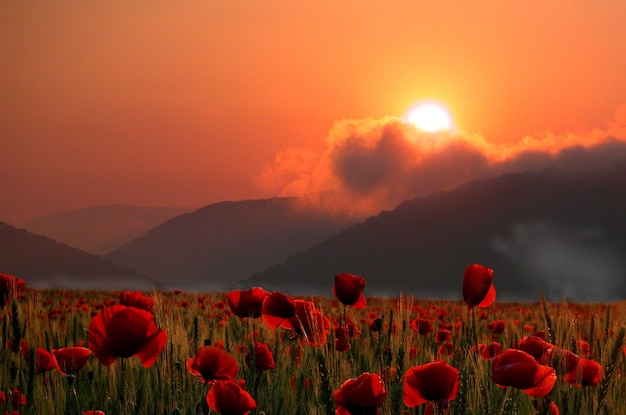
<point x="45" y="263"/>
<point x="102" y="228"/>
<point x="218" y="244"/>
<point x="524" y="225"/>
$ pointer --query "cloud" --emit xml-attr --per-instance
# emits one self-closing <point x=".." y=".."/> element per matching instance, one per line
<point x="374" y="164"/>
<point x="576" y="261"/>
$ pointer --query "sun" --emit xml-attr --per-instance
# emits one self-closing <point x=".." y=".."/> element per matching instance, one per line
<point x="430" y="117"/>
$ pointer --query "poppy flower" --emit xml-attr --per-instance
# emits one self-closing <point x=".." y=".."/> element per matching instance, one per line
<point x="44" y="360"/>
<point x="341" y="339"/>
<point x="228" y="398"/>
<point x="497" y="326"/>
<point x="348" y="289"/>
<point x="362" y="395"/>
<point x="376" y="324"/>
<point x="443" y="335"/>
<point x="213" y="363"/>
<point x="247" y="303"/>
<point x="263" y="358"/>
<point x="422" y="326"/>
<point x="8" y="286"/>
<point x="93" y="412"/>
<point x="299" y="316"/>
<point x="431" y="382"/>
<point x="121" y="331"/>
<point x="277" y="307"/>
<point x="136" y="299"/>
<point x="586" y="373"/>
<point x="478" y="289"/>
<point x="491" y="350"/>
<point x="534" y="346"/>
<point x="309" y="322"/>
<point x="564" y="358"/>
<point x="520" y="370"/>
<point x="72" y="359"/>
<point x="17" y="398"/>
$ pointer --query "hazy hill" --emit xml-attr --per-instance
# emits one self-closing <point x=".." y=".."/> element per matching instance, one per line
<point x="42" y="262"/>
<point x="100" y="229"/>
<point x="215" y="246"/>
<point x="540" y="232"/>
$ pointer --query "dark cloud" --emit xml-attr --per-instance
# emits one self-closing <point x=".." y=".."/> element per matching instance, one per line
<point x="372" y="165"/>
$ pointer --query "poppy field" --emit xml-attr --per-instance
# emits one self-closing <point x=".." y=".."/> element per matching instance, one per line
<point x="259" y="352"/>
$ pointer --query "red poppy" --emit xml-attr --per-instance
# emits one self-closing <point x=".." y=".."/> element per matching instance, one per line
<point x="93" y="412"/>
<point x="519" y="369"/>
<point x="446" y="349"/>
<point x="299" y="316"/>
<point x="348" y="289"/>
<point x="341" y="339"/>
<point x="362" y="395"/>
<point x="136" y="299"/>
<point x="277" y="307"/>
<point x="554" y="410"/>
<point x="431" y="382"/>
<point x="213" y="363"/>
<point x="228" y="398"/>
<point x="44" y="360"/>
<point x="247" y="303"/>
<point x="478" y="289"/>
<point x="8" y="286"/>
<point x="72" y="359"/>
<point x="17" y="398"/>
<point x="564" y="358"/>
<point x="443" y="335"/>
<point x="586" y="373"/>
<point x="491" y="350"/>
<point x="534" y="346"/>
<point x="497" y="326"/>
<point x="422" y="326"/>
<point x="263" y="358"/>
<point x="310" y="323"/>
<point x="121" y="331"/>
<point x="376" y="324"/>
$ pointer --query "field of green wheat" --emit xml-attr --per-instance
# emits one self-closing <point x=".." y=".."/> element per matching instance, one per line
<point x="257" y="352"/>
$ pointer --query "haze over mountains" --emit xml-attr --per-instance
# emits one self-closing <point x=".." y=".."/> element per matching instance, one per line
<point x="541" y="232"/>
<point x="45" y="263"/>
<point x="215" y="246"/>
<point x="100" y="229"/>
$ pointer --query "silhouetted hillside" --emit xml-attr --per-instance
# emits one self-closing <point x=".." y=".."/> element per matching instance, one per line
<point x="100" y="229"/>
<point x="213" y="247"/>
<point x="541" y="233"/>
<point x="43" y="262"/>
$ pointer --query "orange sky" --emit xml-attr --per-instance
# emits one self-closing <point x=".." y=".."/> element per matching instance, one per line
<point x="186" y="104"/>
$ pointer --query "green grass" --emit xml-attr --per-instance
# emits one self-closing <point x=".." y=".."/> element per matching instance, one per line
<point x="305" y="376"/>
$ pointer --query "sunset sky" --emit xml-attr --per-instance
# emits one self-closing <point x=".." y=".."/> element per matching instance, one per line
<point x="186" y="104"/>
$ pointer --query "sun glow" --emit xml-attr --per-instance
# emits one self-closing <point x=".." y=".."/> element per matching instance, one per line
<point x="430" y="117"/>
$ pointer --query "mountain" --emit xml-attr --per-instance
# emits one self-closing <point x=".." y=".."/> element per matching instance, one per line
<point x="44" y="263"/>
<point x="100" y="229"/>
<point x="215" y="246"/>
<point x="540" y="232"/>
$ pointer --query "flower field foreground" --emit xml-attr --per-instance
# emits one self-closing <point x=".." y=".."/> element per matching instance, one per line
<point x="258" y="352"/>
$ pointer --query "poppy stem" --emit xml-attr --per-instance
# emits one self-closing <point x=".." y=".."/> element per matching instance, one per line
<point x="380" y="354"/>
